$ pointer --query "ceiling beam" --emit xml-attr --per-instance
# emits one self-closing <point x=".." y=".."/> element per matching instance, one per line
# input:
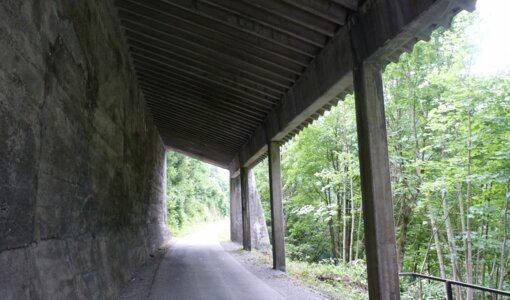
<point x="189" y="65"/>
<point x="236" y="105"/>
<point x="296" y="15"/>
<point x="206" y="77"/>
<point x="195" y="130"/>
<point x="219" y="30"/>
<point x="378" y="29"/>
<point x="242" y="61"/>
<point x="243" y="24"/>
<point x="222" y="71"/>
<point x="349" y="4"/>
<point x="174" y="100"/>
<point x="162" y="78"/>
<point x="203" y="30"/>
<point x="323" y="8"/>
<point x="269" y="19"/>
<point x="207" y="104"/>
<point x="218" y="134"/>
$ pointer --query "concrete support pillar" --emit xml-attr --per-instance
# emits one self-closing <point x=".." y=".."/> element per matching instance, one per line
<point x="236" y="223"/>
<point x="383" y="282"/>
<point x="277" y="223"/>
<point x="245" y="200"/>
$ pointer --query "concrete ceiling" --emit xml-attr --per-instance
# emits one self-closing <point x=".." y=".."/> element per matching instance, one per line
<point x="222" y="77"/>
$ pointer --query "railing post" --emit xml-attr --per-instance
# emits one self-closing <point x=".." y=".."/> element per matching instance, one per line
<point x="421" y="289"/>
<point x="449" y="293"/>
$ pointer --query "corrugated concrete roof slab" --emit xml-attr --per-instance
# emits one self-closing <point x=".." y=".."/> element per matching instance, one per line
<point x="222" y="77"/>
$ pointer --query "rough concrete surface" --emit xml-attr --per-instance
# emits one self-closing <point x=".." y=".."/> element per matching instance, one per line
<point x="139" y="286"/>
<point x="236" y="218"/>
<point x="259" y="234"/>
<point x="81" y="165"/>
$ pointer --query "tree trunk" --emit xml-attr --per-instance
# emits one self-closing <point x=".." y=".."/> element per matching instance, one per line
<point x="344" y="214"/>
<point x="353" y="218"/>
<point x="334" y="244"/>
<point x="437" y="243"/>
<point x="359" y="229"/>
<point x="335" y="251"/>
<point x="450" y="236"/>
<point x="469" y="250"/>
<point x="405" y="215"/>
<point x="502" y="260"/>
<point x="491" y="275"/>
<point x="451" y="243"/>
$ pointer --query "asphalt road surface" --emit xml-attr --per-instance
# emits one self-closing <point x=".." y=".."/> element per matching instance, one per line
<point x="197" y="267"/>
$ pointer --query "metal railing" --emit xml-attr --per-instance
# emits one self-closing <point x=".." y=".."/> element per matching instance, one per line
<point x="448" y="285"/>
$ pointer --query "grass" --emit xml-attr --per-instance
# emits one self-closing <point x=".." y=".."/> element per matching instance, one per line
<point x="341" y="281"/>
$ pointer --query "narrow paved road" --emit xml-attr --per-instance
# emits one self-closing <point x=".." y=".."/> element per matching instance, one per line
<point x="197" y="267"/>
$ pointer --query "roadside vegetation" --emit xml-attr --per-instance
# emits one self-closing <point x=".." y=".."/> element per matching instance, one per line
<point x="197" y="194"/>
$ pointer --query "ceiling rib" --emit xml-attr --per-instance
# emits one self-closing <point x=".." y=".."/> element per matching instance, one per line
<point x="220" y="28"/>
<point x="240" y="82"/>
<point x="207" y="45"/>
<point x="238" y="106"/>
<point x="211" y="71"/>
<point x="324" y="9"/>
<point x="172" y="100"/>
<point x="169" y="74"/>
<point x="296" y="15"/>
<point x="223" y="72"/>
<point x="272" y="21"/>
<point x="232" y="112"/>
<point x="199" y="30"/>
<point x="207" y="77"/>
<point x="241" y="24"/>
<point x="218" y="132"/>
<point x="259" y="68"/>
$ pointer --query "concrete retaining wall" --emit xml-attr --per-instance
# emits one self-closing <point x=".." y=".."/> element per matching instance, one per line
<point x="82" y="168"/>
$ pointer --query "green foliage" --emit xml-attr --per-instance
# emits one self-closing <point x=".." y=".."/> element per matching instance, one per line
<point x="339" y="281"/>
<point x="196" y="192"/>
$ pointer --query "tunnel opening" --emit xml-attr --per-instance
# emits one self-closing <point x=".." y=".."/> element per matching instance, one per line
<point x="197" y="196"/>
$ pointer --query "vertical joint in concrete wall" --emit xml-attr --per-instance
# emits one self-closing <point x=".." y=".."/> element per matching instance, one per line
<point x="245" y="203"/>
<point x="277" y="222"/>
<point x="382" y="266"/>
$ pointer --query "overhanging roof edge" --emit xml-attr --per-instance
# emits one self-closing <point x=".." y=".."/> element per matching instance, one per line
<point x="406" y="24"/>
